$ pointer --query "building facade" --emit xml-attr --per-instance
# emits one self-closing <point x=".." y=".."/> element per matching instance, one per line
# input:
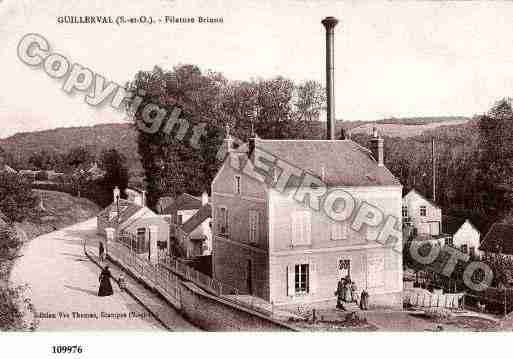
<point x="135" y="224"/>
<point x="422" y="214"/>
<point x="268" y="244"/>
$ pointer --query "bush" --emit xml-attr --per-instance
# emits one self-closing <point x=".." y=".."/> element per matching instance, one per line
<point x="16" y="197"/>
<point x="14" y="309"/>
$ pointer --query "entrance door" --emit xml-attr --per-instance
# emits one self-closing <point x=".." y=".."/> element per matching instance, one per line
<point x="249" y="276"/>
<point x="344" y="268"/>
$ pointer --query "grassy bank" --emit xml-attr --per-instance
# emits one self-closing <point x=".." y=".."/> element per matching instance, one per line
<point x="54" y="210"/>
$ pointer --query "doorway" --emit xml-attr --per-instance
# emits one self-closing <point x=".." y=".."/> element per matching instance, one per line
<point x="344" y="268"/>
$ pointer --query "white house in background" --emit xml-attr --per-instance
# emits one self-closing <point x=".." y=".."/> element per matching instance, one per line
<point x="463" y="235"/>
<point x="424" y="216"/>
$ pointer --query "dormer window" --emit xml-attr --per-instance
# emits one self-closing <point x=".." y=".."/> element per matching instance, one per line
<point x="237" y="184"/>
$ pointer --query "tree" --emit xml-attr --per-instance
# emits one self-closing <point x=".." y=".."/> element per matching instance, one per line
<point x="78" y="158"/>
<point x="275" y="108"/>
<point x="16" y="198"/>
<point x="496" y="158"/>
<point x="43" y="160"/>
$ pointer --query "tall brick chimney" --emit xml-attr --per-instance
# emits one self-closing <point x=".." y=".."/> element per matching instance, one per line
<point x="329" y="23"/>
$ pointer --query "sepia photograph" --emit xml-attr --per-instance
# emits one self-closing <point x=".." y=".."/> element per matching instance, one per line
<point x="284" y="168"/>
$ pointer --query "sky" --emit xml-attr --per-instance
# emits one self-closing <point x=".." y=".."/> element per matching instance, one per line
<point x="392" y="59"/>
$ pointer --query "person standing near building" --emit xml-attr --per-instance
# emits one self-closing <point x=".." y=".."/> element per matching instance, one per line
<point x="354" y="292"/>
<point x="101" y="251"/>
<point x="364" y="300"/>
<point x="347" y="290"/>
<point x="340" y="293"/>
<point x="105" y="285"/>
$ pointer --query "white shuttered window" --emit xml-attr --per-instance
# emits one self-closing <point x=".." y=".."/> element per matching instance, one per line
<point x="254" y="220"/>
<point x="222" y="220"/>
<point x="338" y="231"/>
<point x="301" y="228"/>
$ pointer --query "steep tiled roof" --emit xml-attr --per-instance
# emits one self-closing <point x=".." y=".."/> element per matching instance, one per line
<point x="198" y="218"/>
<point x="183" y="202"/>
<point x="498" y="239"/>
<point x="337" y="162"/>
<point x="413" y="190"/>
<point x="126" y="208"/>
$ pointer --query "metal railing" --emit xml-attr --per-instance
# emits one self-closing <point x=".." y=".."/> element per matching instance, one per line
<point x="166" y="274"/>
<point x="152" y="274"/>
<point x="211" y="285"/>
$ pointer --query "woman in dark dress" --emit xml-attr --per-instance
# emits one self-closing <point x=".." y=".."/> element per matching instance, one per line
<point x="105" y="285"/>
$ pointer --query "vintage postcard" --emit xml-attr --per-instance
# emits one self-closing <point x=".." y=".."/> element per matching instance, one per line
<point x="285" y="166"/>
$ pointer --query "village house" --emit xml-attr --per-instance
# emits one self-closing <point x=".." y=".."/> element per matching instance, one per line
<point x="190" y="219"/>
<point x="463" y="235"/>
<point x="267" y="244"/>
<point x="423" y="220"/>
<point x="424" y="216"/>
<point x="135" y="224"/>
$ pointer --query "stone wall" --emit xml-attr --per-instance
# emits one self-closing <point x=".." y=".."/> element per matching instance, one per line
<point x="216" y="314"/>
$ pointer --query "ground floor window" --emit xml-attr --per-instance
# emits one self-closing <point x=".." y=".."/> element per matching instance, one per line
<point x="141" y="239"/>
<point x="464" y="248"/>
<point x="448" y="241"/>
<point x="301" y="278"/>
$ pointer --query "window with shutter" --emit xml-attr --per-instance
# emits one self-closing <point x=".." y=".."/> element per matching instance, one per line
<point x="301" y="278"/>
<point x="253" y="226"/>
<point x="237" y="184"/>
<point x="301" y="228"/>
<point x="290" y="281"/>
<point x="222" y="220"/>
<point x="312" y="278"/>
<point x="338" y="231"/>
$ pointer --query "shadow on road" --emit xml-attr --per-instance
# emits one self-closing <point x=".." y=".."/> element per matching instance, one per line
<point x="78" y="289"/>
<point x="75" y="242"/>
